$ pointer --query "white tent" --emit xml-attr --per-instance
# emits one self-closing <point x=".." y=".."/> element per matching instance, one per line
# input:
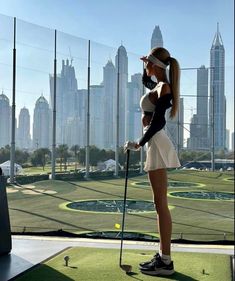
<point x="6" y="168"/>
<point x="108" y="165"/>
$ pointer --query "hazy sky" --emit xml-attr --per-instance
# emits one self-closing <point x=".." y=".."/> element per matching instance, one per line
<point x="188" y="26"/>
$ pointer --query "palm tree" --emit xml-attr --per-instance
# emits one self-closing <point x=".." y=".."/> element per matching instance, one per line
<point x="40" y="156"/>
<point x="75" y="149"/>
<point x="63" y="154"/>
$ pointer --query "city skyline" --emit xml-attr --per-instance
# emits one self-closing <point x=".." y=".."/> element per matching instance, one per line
<point x="188" y="32"/>
<point x="125" y="73"/>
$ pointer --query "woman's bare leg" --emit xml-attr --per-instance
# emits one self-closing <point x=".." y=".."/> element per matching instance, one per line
<point x="158" y="181"/>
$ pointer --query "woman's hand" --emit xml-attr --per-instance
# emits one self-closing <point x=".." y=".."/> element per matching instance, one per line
<point x="131" y="145"/>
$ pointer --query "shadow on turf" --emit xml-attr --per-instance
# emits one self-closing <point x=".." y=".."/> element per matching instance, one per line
<point x="203" y="211"/>
<point x="184" y="224"/>
<point x="46" y="273"/>
<point x="177" y="276"/>
<point x="98" y="191"/>
<point x="53" y="219"/>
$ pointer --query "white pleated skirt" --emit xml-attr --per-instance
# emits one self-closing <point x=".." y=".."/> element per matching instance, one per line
<point x="160" y="152"/>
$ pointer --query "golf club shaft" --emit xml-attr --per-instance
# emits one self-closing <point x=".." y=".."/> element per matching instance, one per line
<point x="124" y="204"/>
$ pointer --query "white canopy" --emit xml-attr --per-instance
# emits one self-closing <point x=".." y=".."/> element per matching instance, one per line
<point x="108" y="165"/>
<point x="6" y="168"/>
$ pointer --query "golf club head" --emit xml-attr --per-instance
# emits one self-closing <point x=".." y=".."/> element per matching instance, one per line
<point x="126" y="267"/>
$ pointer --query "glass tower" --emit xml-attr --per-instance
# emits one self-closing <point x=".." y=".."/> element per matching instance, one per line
<point x="217" y="97"/>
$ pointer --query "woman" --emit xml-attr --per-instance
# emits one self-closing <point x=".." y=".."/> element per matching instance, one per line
<point x="160" y="150"/>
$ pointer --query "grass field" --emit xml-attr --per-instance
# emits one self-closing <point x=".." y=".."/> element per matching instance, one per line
<point x="88" y="264"/>
<point x="36" y="207"/>
<point x="47" y="169"/>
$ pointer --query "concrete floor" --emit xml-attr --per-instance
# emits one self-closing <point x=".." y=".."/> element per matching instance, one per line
<point x="28" y="251"/>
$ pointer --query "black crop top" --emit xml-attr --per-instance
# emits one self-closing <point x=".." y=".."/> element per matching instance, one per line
<point x="158" y="120"/>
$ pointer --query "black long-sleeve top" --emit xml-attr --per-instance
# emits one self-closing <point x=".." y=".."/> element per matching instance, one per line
<point x="158" y="120"/>
<point x="147" y="81"/>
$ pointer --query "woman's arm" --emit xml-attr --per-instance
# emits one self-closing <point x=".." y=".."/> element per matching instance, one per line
<point x="158" y="120"/>
<point x="147" y="81"/>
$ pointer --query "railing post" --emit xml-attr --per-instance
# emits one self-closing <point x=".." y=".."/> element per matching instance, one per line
<point x="117" y="117"/>
<point x="13" y="108"/>
<point x="53" y="155"/>
<point x="88" y="113"/>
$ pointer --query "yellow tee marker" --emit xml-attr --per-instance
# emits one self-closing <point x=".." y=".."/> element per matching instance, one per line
<point x="117" y="226"/>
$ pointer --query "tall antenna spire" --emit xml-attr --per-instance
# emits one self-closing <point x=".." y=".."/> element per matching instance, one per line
<point x="217" y="39"/>
<point x="71" y="58"/>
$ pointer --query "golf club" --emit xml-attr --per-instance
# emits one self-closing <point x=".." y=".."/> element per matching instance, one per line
<point x="127" y="268"/>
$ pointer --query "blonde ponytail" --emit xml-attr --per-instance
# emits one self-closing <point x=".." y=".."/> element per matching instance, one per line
<point x="174" y="75"/>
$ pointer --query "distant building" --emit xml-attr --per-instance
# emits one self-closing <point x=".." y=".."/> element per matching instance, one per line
<point x="74" y="132"/>
<point x="66" y="94"/>
<point x="23" y="132"/>
<point x="80" y="109"/>
<point x="175" y="127"/>
<point x="232" y="141"/>
<point x="97" y="135"/>
<point x="227" y="139"/>
<point x="109" y="103"/>
<point x="122" y="65"/>
<point x="217" y="100"/>
<point x="41" y="124"/>
<point x="198" y="139"/>
<point x="5" y="120"/>
<point x="156" y="40"/>
<point x="133" y="121"/>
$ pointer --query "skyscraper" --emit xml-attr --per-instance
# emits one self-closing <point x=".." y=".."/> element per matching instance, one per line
<point x="232" y="141"/>
<point x="156" y="40"/>
<point x="227" y="139"/>
<point x="217" y="96"/>
<point x="199" y="123"/>
<point x="5" y="117"/>
<point x="122" y="65"/>
<point x="74" y="132"/>
<point x="175" y="127"/>
<point x="74" y="127"/>
<point x="41" y="124"/>
<point x="23" y="136"/>
<point x="65" y="98"/>
<point x="110" y="97"/>
<point x="97" y="110"/>
<point x="135" y="91"/>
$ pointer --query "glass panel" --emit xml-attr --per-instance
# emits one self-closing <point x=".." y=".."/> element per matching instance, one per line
<point x="93" y="207"/>
<point x="6" y="55"/>
<point x="35" y="46"/>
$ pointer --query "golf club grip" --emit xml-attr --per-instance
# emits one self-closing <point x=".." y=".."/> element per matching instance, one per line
<point x="124" y="203"/>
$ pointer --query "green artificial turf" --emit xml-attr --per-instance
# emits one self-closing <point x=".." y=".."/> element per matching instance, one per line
<point x="89" y="264"/>
<point x="192" y="219"/>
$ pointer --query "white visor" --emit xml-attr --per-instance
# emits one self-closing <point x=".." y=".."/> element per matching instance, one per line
<point x="156" y="61"/>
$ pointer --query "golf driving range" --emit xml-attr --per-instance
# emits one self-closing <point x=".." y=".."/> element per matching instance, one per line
<point x="88" y="207"/>
<point x="94" y="209"/>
